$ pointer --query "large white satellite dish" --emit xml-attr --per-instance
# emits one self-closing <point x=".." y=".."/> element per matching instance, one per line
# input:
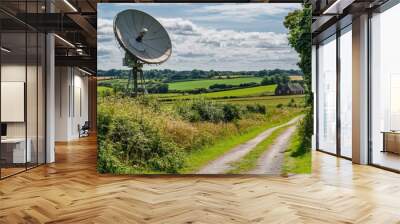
<point x="144" y="40"/>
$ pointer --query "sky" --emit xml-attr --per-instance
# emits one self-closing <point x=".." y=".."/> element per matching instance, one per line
<point x="220" y="37"/>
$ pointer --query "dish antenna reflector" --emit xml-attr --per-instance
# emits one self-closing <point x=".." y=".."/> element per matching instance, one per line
<point x="144" y="40"/>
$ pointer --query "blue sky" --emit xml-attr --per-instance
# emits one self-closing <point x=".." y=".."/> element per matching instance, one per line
<point x="236" y="37"/>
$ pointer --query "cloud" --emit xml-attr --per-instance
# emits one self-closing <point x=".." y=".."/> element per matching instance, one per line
<point x="179" y="26"/>
<point x="242" y="12"/>
<point x="104" y="26"/>
<point x="200" y="47"/>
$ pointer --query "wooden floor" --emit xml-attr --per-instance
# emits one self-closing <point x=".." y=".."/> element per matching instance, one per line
<point x="70" y="191"/>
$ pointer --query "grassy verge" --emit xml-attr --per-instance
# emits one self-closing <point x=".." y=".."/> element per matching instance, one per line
<point x="198" y="159"/>
<point x="297" y="160"/>
<point x="249" y="161"/>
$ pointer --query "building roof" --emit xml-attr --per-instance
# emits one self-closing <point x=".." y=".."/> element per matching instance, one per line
<point x="292" y="86"/>
<point x="295" y="87"/>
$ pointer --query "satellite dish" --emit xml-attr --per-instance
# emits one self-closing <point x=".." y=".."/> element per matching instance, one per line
<point x="144" y="40"/>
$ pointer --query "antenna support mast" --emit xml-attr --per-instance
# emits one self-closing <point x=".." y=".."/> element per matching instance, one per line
<point x="135" y="75"/>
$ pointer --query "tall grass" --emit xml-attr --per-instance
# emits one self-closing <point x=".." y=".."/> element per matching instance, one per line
<point x="138" y="135"/>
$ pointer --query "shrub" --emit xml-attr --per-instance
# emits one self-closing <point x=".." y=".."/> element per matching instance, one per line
<point x="231" y="112"/>
<point x="106" y="84"/>
<point x="256" y="108"/>
<point x="208" y="110"/>
<point x="279" y="105"/>
<point x="292" y="103"/>
<point x="196" y="91"/>
<point x="305" y="126"/>
<point x="248" y="84"/>
<point x="134" y="139"/>
<point x="157" y="88"/>
<point x="221" y="86"/>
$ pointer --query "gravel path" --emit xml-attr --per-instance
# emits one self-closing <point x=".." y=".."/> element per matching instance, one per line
<point x="271" y="161"/>
<point x="222" y="164"/>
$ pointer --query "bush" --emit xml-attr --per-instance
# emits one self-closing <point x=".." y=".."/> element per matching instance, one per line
<point x="134" y="141"/>
<point x="248" y="84"/>
<point x="196" y="91"/>
<point x="256" y="108"/>
<point x="279" y="105"/>
<point x="305" y="127"/>
<point x="231" y="112"/>
<point x="157" y="88"/>
<point x="118" y="88"/>
<point x="207" y="110"/>
<point x="221" y="86"/>
<point x="292" y="103"/>
<point x="106" y="84"/>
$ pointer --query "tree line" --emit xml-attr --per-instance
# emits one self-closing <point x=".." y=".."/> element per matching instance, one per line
<point x="167" y="75"/>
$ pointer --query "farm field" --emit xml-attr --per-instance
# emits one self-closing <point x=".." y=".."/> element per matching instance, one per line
<point x="244" y="92"/>
<point x="296" y="77"/>
<point x="269" y="101"/>
<point x="196" y="129"/>
<point x="196" y="84"/>
<point x="102" y="89"/>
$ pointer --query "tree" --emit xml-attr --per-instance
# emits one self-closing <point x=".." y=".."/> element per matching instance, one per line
<point x="298" y="23"/>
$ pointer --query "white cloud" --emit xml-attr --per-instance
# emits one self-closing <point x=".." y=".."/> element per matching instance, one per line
<point x="104" y="26"/>
<point x="243" y="12"/>
<point x="199" y="47"/>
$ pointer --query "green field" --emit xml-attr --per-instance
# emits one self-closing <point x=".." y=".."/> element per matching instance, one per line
<point x="245" y="92"/>
<point x="208" y="82"/>
<point x="193" y="132"/>
<point x="267" y="100"/>
<point x="101" y="89"/>
<point x="261" y="95"/>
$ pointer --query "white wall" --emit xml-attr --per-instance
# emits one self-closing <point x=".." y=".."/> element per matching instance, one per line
<point x="71" y="102"/>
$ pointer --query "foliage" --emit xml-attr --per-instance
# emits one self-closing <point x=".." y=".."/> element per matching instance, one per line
<point x="297" y="158"/>
<point x="134" y="141"/>
<point x="275" y="79"/>
<point x="157" y="87"/>
<point x="292" y="103"/>
<point x="243" y="92"/>
<point x="305" y="128"/>
<point x="221" y="86"/>
<point x="138" y="135"/>
<point x="256" y="108"/>
<point x="231" y="112"/>
<point x="205" y="110"/>
<point x="298" y="23"/>
<point x="208" y="82"/>
<point x="168" y="75"/>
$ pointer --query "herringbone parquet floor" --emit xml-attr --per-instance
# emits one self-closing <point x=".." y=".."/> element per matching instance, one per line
<point x="70" y="191"/>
